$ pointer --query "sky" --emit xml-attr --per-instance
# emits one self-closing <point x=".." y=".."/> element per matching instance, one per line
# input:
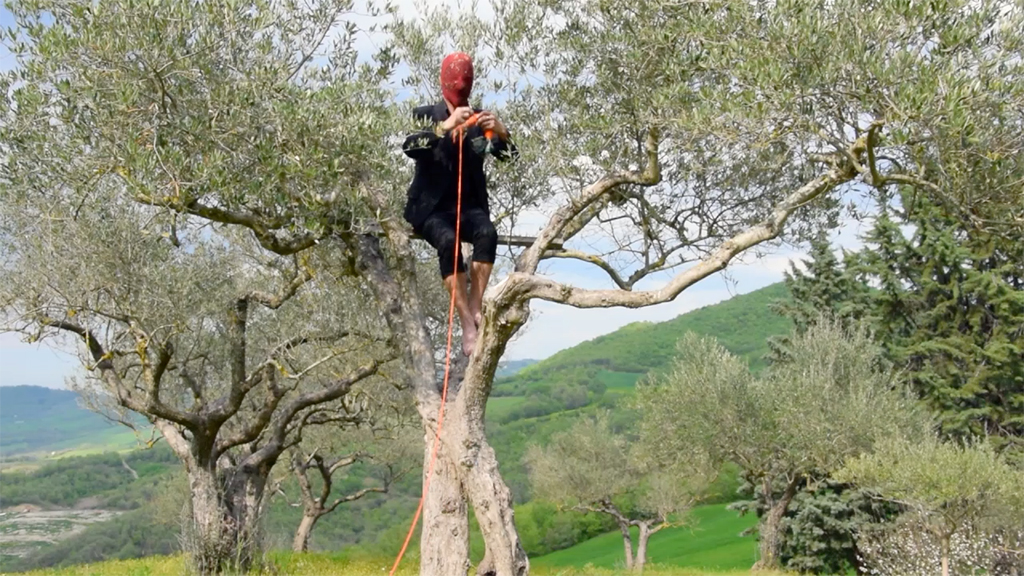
<point x="551" y="327"/>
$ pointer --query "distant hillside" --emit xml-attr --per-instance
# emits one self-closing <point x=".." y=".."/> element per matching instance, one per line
<point x="742" y="324"/>
<point x="550" y="395"/>
<point x="510" y="367"/>
<point x="37" y="419"/>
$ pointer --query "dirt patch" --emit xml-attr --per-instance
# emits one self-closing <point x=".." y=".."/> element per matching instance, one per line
<point x="23" y="509"/>
<point x="22" y="532"/>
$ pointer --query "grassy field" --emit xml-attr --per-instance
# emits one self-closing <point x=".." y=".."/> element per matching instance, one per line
<point x="712" y="542"/>
<point x="312" y="564"/>
<point x="711" y="545"/>
<point x="619" y="380"/>
<point x="499" y="407"/>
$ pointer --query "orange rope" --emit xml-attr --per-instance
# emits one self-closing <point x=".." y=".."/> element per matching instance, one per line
<point x="447" y="364"/>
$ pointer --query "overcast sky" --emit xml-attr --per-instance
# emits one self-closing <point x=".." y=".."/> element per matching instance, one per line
<point x="551" y="328"/>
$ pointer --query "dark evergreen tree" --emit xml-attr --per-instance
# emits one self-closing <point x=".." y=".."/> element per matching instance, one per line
<point x="950" y="309"/>
<point x="823" y="287"/>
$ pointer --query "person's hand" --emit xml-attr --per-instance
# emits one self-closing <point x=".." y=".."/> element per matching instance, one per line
<point x="488" y="121"/>
<point x="458" y="116"/>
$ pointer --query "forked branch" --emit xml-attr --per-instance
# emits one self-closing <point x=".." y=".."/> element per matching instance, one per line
<point x="528" y="285"/>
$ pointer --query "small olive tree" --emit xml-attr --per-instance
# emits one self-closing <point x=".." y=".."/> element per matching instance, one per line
<point x="380" y="452"/>
<point x="594" y="468"/>
<point x="955" y="492"/>
<point x="798" y="420"/>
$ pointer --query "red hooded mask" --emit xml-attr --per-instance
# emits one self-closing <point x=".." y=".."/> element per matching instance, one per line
<point x="457" y="78"/>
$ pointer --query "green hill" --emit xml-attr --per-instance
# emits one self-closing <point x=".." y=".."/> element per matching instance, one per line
<point x="549" y="396"/>
<point x="742" y="324"/>
<point x="38" y="419"/>
<point x="712" y="541"/>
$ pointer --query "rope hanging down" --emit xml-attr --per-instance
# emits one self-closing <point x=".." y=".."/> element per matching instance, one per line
<point x="459" y="135"/>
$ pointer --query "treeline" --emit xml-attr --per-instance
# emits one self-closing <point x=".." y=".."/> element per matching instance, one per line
<point x="109" y="477"/>
<point x="373" y="525"/>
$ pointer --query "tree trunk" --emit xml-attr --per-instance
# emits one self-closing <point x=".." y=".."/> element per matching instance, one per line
<point x="492" y="504"/>
<point x="641" y="546"/>
<point x="305" y="529"/>
<point x="466" y="465"/>
<point x="245" y="505"/>
<point x="223" y="532"/>
<point x="944" y="546"/>
<point x="444" y="541"/>
<point x="627" y="543"/>
<point x="209" y="534"/>
<point x="771" y="526"/>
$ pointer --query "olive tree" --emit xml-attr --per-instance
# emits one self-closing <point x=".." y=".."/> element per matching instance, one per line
<point x="379" y="452"/>
<point x="677" y="136"/>
<point x="231" y="355"/>
<point x="798" y="421"/>
<point x="659" y="140"/>
<point x="231" y="351"/>
<point x="594" y="468"/>
<point x="952" y="490"/>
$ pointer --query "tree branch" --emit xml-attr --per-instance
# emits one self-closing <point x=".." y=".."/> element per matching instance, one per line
<point x="355" y="496"/>
<point x="567" y="220"/>
<point x="338" y="388"/>
<point x="402" y="311"/>
<point x="105" y="365"/>
<point x="302" y="274"/>
<point x="592" y="259"/>
<point x="523" y="285"/>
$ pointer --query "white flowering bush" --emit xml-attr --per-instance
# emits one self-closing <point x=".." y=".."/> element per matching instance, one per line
<point x="908" y="548"/>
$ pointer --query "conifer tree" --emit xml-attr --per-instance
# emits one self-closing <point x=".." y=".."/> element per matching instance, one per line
<point x="950" y="310"/>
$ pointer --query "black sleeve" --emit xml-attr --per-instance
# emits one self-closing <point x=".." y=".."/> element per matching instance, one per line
<point x="420" y="145"/>
<point x="423" y="143"/>
<point x="505" y="149"/>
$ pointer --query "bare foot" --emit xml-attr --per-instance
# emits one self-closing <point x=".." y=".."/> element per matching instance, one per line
<point x="468" y="340"/>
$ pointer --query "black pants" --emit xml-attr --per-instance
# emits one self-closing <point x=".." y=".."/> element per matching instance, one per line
<point x="439" y="231"/>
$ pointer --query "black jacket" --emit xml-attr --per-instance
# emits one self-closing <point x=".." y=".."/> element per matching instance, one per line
<point x="437" y="167"/>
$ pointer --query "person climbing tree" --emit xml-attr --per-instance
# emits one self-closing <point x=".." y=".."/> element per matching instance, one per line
<point x="432" y="195"/>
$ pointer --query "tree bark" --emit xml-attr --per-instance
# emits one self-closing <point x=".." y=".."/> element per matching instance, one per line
<point x="444" y="540"/>
<point x="209" y="534"/>
<point x="244" y="497"/>
<point x="224" y="531"/>
<point x="627" y="542"/>
<point x="641" y="546"/>
<point x="944" y="545"/>
<point x="303" y="532"/>
<point x="771" y="526"/>
<point x="492" y="504"/>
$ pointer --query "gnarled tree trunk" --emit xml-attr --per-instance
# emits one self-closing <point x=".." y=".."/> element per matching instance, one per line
<point x="224" y="533"/>
<point x="208" y="537"/>
<point x="627" y="543"/>
<point x="444" y="540"/>
<point x="645" y="535"/>
<point x="466" y="469"/>
<point x="771" y="525"/>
